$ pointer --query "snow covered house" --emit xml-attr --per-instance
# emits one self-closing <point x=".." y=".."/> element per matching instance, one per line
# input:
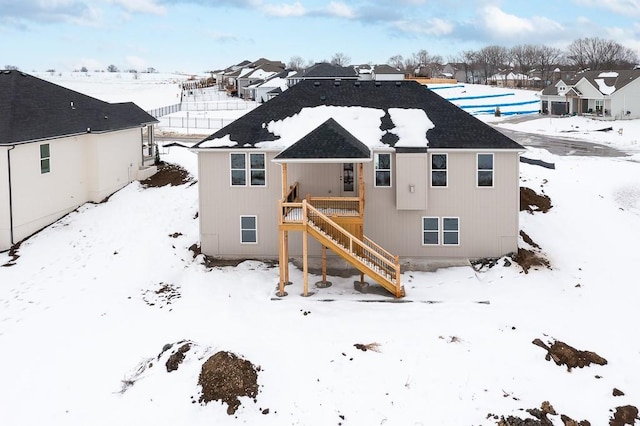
<point x="381" y="173"/>
<point x="609" y="94"/>
<point x="60" y="149"/>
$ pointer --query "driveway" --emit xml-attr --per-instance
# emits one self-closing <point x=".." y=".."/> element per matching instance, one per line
<point x="562" y="146"/>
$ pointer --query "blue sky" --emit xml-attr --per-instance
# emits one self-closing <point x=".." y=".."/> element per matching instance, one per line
<point x="198" y="35"/>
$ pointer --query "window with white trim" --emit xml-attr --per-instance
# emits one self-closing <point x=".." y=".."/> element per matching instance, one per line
<point x="450" y="231"/>
<point x="382" y="166"/>
<point x="249" y="229"/>
<point x="430" y="231"/>
<point x="485" y="170"/>
<point x="440" y="231"/>
<point x="253" y="173"/>
<point x="438" y="169"/>
<point x="45" y="158"/>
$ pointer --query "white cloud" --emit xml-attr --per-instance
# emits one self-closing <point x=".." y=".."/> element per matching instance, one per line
<point x="625" y="7"/>
<point x="136" y="62"/>
<point x="340" y="10"/>
<point x="433" y="26"/>
<point x="503" y="24"/>
<point x="284" y="10"/>
<point x="141" y="6"/>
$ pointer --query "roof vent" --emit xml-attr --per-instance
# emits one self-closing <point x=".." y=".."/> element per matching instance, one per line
<point x="357" y="84"/>
<point x="323" y="98"/>
<point x="378" y="84"/>
<point x="336" y="83"/>
<point x="398" y="83"/>
<point x="316" y="83"/>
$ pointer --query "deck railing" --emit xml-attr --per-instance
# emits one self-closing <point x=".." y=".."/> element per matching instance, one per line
<point x="371" y="254"/>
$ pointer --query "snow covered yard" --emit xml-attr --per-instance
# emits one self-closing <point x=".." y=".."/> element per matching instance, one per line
<point x="91" y="301"/>
<point x="89" y="306"/>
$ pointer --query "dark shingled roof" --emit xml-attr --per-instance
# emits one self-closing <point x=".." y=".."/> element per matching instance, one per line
<point x="326" y="70"/>
<point x="328" y="140"/>
<point x="454" y="128"/>
<point x="618" y="81"/>
<point x="33" y="109"/>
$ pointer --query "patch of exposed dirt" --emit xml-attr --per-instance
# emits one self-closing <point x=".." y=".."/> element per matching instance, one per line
<point x="225" y="377"/>
<point x="375" y="347"/>
<point x="626" y="415"/>
<point x="176" y="358"/>
<point x="528" y="259"/>
<point x="531" y="201"/>
<point x="563" y="354"/>
<point x="527" y="239"/>
<point x="168" y="174"/>
<point x="213" y="262"/>
<point x="13" y="253"/>
<point x="540" y="418"/>
<point x="163" y="296"/>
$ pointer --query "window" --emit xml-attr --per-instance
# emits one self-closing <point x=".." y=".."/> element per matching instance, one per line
<point x="249" y="229"/>
<point x="382" y="166"/>
<point x="258" y="171"/>
<point x="432" y="235"/>
<point x="450" y="231"/>
<point x="238" y="170"/>
<point x="256" y="168"/>
<point x="485" y="169"/>
<point x="438" y="169"/>
<point x="45" y="157"/>
<point x="430" y="231"/>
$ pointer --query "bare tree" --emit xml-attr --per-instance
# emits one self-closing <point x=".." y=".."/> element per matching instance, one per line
<point x="421" y="57"/>
<point x="396" y="61"/>
<point x="469" y="59"/>
<point x="491" y="59"/>
<point x="112" y="68"/>
<point x="340" y="59"/>
<point x="410" y="66"/>
<point x="596" y="54"/>
<point x="11" y="68"/>
<point x="296" y="63"/>
<point x="523" y="57"/>
<point x="546" y="58"/>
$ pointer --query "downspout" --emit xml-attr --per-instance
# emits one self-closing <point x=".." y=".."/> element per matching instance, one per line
<point x="10" y="195"/>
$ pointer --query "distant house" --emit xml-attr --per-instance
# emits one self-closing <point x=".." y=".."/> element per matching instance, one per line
<point x="254" y="73"/>
<point x="273" y="86"/>
<point x="607" y="94"/>
<point x="380" y="173"/>
<point x="323" y="71"/>
<point x="60" y="149"/>
<point x="509" y="79"/>
<point x="386" y="73"/>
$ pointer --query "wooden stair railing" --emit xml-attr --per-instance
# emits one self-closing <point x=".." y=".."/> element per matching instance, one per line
<point x="365" y="255"/>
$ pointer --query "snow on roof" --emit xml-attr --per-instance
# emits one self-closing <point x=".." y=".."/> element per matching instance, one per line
<point x="602" y="86"/>
<point x="411" y="127"/>
<point x="608" y="74"/>
<point x="361" y="122"/>
<point x="262" y="74"/>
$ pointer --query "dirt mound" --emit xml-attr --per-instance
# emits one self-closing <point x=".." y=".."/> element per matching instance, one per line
<point x="531" y="201"/>
<point x="176" y="358"/>
<point x="540" y="418"/>
<point x="167" y="174"/>
<point x="626" y="415"/>
<point x="563" y="354"/>
<point x="225" y="377"/>
<point x="528" y="259"/>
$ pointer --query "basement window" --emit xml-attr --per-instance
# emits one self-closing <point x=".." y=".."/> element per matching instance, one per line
<point x="249" y="229"/>
<point x="45" y="159"/>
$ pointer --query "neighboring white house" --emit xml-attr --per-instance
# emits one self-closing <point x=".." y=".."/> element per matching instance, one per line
<point x="611" y="95"/>
<point x="60" y="149"/>
<point x="352" y="162"/>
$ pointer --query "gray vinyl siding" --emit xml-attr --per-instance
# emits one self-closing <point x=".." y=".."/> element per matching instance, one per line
<point x="221" y="206"/>
<point x="488" y="217"/>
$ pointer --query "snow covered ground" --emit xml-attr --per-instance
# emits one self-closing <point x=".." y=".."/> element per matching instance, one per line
<point x="83" y="310"/>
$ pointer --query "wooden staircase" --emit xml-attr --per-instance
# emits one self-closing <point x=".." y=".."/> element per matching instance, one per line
<point x="363" y="254"/>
